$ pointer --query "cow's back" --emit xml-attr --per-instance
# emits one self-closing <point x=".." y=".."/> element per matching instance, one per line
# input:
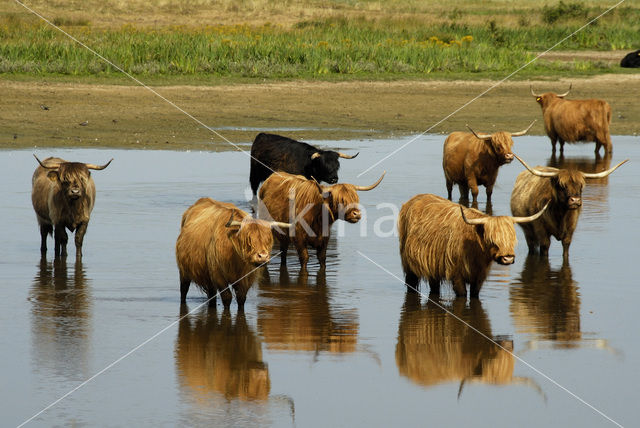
<point x="530" y="193"/>
<point x="280" y="153"/>
<point x="578" y="120"/>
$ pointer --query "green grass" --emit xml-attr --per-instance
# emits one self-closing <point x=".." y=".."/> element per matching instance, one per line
<point x="327" y="48"/>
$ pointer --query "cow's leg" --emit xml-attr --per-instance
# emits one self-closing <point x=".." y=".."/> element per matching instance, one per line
<point x="474" y="289"/>
<point x="464" y="193"/>
<point x="322" y="253"/>
<point x="226" y="296"/>
<point x="79" y="238"/>
<point x="284" y="247"/>
<point x="459" y="287"/>
<point x="603" y="140"/>
<point x="303" y="253"/>
<point x="473" y="185"/>
<point x="545" y="242"/>
<point x="45" y="229"/>
<point x="61" y="239"/>
<point x="185" y="282"/>
<point x="212" y="295"/>
<point x="434" y="286"/>
<point x="565" y="249"/>
<point x="449" y="189"/>
<point x="553" y="139"/>
<point x="241" y="293"/>
<point x="412" y="281"/>
<point x="561" y="146"/>
<point x="489" y="189"/>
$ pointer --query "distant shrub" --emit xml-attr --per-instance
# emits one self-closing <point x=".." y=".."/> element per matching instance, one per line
<point x="551" y="14"/>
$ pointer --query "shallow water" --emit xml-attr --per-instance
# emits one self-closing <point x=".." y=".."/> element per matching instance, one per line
<point x="342" y="347"/>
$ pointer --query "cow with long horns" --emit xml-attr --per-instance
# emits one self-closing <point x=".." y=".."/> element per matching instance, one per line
<point x="442" y="241"/>
<point x="219" y="248"/>
<point x="63" y="194"/>
<point x="563" y="189"/>
<point x="472" y="159"/>
<point x="271" y="152"/>
<point x="314" y="207"/>
<point x="572" y="121"/>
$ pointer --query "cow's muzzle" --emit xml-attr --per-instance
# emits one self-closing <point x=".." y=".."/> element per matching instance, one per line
<point x="332" y="180"/>
<point x="353" y="216"/>
<point x="506" y="260"/>
<point x="260" y="258"/>
<point x="574" y="202"/>
<point x="508" y="158"/>
<point x="74" y="194"/>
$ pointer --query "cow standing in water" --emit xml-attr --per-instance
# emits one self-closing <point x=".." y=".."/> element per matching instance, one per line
<point x="63" y="194"/>
<point x="471" y="159"/>
<point x="572" y="121"/>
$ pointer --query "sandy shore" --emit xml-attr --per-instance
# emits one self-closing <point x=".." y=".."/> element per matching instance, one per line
<point x="41" y="114"/>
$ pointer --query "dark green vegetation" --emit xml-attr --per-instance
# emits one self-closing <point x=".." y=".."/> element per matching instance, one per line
<point x="460" y="44"/>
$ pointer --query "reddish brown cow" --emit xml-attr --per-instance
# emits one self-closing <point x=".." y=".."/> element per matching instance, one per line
<point x="63" y="194"/>
<point x="563" y="188"/>
<point x="572" y="121"/>
<point x="219" y="247"/>
<point x="471" y="159"/>
<point x="285" y="196"/>
<point x="441" y="240"/>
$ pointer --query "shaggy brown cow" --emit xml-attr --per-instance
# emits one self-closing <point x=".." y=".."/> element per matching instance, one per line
<point x="63" y="194"/>
<point x="471" y="159"/>
<point x="441" y="240"/>
<point x="572" y="121"/>
<point x="315" y="208"/>
<point x="435" y="348"/>
<point x="563" y="188"/>
<point x="219" y="247"/>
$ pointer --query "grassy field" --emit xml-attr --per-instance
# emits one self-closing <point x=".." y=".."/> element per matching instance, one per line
<point x="206" y="41"/>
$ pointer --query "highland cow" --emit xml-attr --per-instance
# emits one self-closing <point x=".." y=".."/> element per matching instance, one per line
<point x="441" y="240"/>
<point x="471" y="159"/>
<point x="572" y="121"/>
<point x="219" y="247"/>
<point x="285" y="196"/>
<point x="63" y="194"/>
<point x="563" y="188"/>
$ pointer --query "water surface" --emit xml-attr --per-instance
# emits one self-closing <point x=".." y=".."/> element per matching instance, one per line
<point x="343" y="347"/>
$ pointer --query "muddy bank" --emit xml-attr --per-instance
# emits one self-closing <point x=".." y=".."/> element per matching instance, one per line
<point x="81" y="115"/>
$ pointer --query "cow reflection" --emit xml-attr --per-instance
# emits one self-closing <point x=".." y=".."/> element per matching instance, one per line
<point x="435" y="347"/>
<point x="296" y="315"/>
<point x="214" y="354"/>
<point x="545" y="303"/>
<point x="61" y="314"/>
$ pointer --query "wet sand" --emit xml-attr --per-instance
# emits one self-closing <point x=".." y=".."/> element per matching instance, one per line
<point x="120" y="116"/>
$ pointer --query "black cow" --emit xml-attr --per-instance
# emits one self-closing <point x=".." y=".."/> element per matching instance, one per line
<point x="271" y="152"/>
<point x="631" y="60"/>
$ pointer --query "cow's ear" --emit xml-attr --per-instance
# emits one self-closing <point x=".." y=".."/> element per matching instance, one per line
<point x="52" y="175"/>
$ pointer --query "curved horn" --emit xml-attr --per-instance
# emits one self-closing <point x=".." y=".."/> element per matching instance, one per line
<point x="479" y="136"/>
<point x="98" y="167"/>
<point x="531" y="217"/>
<point x="566" y="93"/>
<point x="373" y="186"/>
<point x="43" y="165"/>
<point x="533" y="93"/>
<point x="473" y="221"/>
<point x="315" y="155"/>
<point x="536" y="171"/>
<point x="317" y="184"/>
<point x="343" y="156"/>
<point x="232" y="222"/>
<point x="603" y="173"/>
<point x="519" y="133"/>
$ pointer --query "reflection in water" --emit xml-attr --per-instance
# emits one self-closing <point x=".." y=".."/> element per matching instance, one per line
<point x="214" y="354"/>
<point x="596" y="193"/>
<point x="297" y="315"/>
<point x="61" y="312"/>
<point x="545" y="303"/>
<point x="434" y="347"/>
